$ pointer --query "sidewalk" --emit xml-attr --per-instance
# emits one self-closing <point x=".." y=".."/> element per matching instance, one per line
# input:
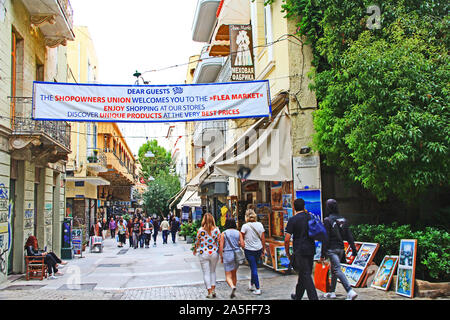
<point x="165" y="272"/>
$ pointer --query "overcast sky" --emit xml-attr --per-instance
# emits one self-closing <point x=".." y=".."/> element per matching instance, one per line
<point x="139" y="35"/>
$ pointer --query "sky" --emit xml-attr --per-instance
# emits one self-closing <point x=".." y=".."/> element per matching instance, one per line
<point x="140" y="35"/>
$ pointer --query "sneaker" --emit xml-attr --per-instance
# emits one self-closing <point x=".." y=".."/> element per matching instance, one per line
<point x="52" y="276"/>
<point x="209" y="296"/>
<point x="257" y="291"/>
<point x="251" y="287"/>
<point x="351" y="295"/>
<point x="330" y="295"/>
<point x="233" y="293"/>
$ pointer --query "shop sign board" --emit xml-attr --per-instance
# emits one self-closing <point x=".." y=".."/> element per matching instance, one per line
<point x="77" y="240"/>
<point x="241" y="52"/>
<point x="150" y="103"/>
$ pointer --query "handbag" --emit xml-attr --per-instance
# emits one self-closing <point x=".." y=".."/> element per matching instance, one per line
<point x="239" y="256"/>
<point x="321" y="276"/>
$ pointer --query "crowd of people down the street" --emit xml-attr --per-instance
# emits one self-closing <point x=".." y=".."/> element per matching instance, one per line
<point x="232" y="246"/>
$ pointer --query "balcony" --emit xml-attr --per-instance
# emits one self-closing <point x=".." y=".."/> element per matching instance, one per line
<point x="204" y="20"/>
<point x="39" y="141"/>
<point x="117" y="171"/>
<point x="96" y="160"/>
<point x="208" y="67"/>
<point x="54" y="18"/>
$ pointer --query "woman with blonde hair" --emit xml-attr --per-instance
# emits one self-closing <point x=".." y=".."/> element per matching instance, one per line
<point x="254" y="239"/>
<point x="207" y="244"/>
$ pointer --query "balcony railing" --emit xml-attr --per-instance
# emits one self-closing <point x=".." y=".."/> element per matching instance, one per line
<point x="67" y="10"/>
<point x="58" y="131"/>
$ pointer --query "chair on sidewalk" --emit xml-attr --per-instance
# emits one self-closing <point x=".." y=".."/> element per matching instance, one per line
<point x="35" y="267"/>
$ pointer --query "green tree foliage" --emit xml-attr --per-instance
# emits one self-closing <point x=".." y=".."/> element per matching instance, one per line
<point x="165" y="184"/>
<point x="383" y="94"/>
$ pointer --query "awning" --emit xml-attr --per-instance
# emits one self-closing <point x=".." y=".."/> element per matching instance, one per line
<point x="230" y="12"/>
<point x="267" y="158"/>
<point x="190" y="199"/>
<point x="264" y="151"/>
<point x="192" y="186"/>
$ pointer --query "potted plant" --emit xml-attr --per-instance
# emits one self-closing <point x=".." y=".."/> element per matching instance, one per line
<point x="92" y="159"/>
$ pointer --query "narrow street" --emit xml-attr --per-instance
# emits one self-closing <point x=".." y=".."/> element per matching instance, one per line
<point x="164" y="272"/>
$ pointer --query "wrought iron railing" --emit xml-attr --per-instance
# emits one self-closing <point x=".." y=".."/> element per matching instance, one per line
<point x="97" y="156"/>
<point x="56" y="130"/>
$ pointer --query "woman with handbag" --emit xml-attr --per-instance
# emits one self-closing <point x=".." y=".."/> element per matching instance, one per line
<point x="207" y="244"/>
<point x="253" y="233"/>
<point x="230" y="252"/>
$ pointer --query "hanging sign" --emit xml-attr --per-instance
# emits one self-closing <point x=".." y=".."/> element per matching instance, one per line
<point x="241" y="47"/>
<point x="165" y="103"/>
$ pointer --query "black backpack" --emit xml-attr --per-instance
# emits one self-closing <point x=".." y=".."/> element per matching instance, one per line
<point x="337" y="226"/>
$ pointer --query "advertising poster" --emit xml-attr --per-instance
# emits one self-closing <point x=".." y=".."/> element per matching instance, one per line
<point x="150" y="103"/>
<point x="77" y="238"/>
<point x="406" y="268"/>
<point x="383" y="277"/>
<point x="313" y="201"/>
<point x="241" y="52"/>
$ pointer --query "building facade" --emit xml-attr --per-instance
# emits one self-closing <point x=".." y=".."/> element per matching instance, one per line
<point x="33" y="154"/>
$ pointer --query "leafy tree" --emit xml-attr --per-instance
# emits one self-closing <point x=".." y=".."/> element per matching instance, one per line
<point x="159" y="192"/>
<point x="160" y="162"/>
<point x="165" y="184"/>
<point x="383" y="94"/>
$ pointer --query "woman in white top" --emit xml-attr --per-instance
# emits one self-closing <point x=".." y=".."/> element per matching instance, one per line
<point x="254" y="239"/>
<point x="207" y="244"/>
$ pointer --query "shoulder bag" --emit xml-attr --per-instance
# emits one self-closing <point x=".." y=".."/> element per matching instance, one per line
<point x="239" y="256"/>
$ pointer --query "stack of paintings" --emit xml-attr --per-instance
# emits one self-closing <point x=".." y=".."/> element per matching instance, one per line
<point x="356" y="267"/>
<point x="406" y="268"/>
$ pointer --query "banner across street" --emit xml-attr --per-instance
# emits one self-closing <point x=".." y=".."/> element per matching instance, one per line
<point x="151" y="103"/>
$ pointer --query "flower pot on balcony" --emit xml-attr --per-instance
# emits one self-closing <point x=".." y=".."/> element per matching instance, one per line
<point x="92" y="159"/>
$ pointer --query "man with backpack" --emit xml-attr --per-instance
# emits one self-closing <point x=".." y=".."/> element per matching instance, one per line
<point x="338" y="230"/>
<point x="304" y="250"/>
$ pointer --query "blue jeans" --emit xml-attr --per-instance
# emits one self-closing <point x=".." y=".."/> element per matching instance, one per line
<point x="165" y="234"/>
<point x="252" y="258"/>
<point x="335" y="256"/>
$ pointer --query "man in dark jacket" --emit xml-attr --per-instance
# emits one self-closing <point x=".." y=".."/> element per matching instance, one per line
<point x="338" y="230"/>
<point x="304" y="250"/>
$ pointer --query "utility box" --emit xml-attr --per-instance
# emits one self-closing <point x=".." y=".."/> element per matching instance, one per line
<point x="66" y="245"/>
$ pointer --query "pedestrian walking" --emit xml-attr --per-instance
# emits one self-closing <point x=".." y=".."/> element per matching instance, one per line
<point x="338" y="230"/>
<point x="207" y="244"/>
<point x="155" y="223"/>
<point x="136" y="232"/>
<point x="174" y="228"/>
<point x="148" y="229"/>
<point x="230" y="241"/>
<point x="112" y="227"/>
<point x="165" y="228"/>
<point x="121" y="232"/>
<point x="304" y="250"/>
<point x="141" y="235"/>
<point x="104" y="228"/>
<point x="254" y="239"/>
<point x="130" y="226"/>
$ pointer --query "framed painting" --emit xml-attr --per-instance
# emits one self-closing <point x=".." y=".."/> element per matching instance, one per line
<point x="348" y="252"/>
<point x="268" y="255"/>
<point x="313" y="202"/>
<point x="365" y="254"/>
<point x="406" y="268"/>
<point x="281" y="259"/>
<point x="383" y="277"/>
<point x="318" y="246"/>
<point x="354" y="275"/>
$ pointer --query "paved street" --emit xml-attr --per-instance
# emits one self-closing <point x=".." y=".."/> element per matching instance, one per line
<point x="165" y="272"/>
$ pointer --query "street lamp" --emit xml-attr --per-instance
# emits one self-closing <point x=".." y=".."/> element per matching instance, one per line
<point x="138" y="75"/>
